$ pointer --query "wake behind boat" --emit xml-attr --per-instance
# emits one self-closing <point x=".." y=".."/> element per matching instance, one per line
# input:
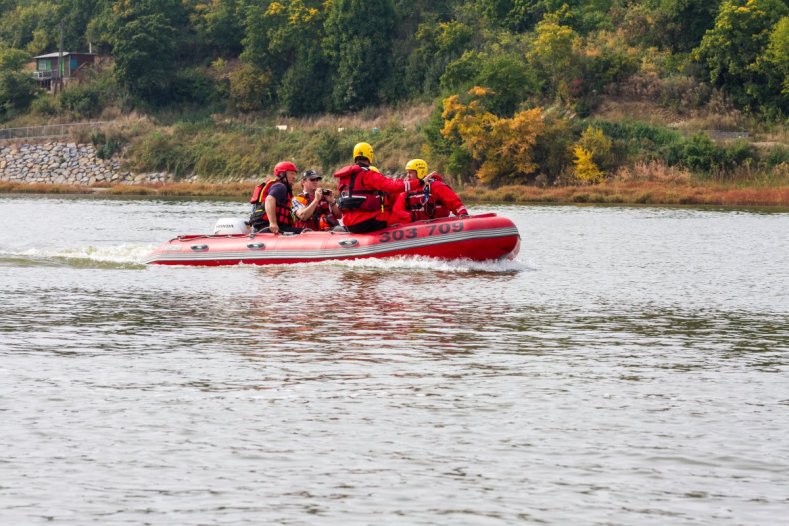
<point x="477" y="238"/>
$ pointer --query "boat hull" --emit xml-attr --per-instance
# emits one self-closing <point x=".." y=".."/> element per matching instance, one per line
<point x="477" y="238"/>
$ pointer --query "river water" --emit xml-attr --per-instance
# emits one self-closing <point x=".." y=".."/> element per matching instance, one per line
<point x="630" y="367"/>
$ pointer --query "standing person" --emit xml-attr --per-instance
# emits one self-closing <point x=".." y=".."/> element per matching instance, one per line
<point x="436" y="199"/>
<point x="315" y="208"/>
<point x="362" y="193"/>
<point x="272" y="201"/>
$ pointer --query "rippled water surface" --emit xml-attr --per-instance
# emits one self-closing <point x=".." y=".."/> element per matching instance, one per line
<point x="629" y="368"/>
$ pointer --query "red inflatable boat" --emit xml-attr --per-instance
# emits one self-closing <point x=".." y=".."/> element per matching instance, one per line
<point x="477" y="238"/>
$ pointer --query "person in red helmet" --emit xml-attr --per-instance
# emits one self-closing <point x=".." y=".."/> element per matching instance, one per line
<point x="271" y="201"/>
<point x="362" y="192"/>
<point x="436" y="199"/>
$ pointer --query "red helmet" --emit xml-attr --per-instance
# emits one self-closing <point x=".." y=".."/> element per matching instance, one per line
<point x="284" y="166"/>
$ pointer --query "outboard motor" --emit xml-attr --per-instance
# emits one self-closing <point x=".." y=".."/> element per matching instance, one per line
<point x="231" y="225"/>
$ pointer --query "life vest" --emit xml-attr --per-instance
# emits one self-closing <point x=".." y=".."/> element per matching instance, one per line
<point x="363" y="200"/>
<point x="423" y="205"/>
<point x="259" y="220"/>
<point x="321" y="219"/>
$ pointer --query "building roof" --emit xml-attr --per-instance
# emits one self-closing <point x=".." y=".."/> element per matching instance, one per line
<point x="65" y="53"/>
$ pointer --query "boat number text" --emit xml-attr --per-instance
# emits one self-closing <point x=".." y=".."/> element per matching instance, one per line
<point x="410" y="233"/>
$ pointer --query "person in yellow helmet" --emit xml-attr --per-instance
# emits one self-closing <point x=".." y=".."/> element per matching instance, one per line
<point x="434" y="200"/>
<point x="362" y="192"/>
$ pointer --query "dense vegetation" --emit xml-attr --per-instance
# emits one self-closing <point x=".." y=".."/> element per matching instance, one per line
<point x="517" y="85"/>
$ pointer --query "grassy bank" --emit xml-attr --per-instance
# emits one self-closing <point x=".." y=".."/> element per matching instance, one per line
<point x="644" y="192"/>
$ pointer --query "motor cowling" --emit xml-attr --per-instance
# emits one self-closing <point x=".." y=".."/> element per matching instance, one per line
<point x="231" y="225"/>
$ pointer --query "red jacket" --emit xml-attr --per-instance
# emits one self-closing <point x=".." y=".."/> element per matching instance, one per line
<point x="367" y="183"/>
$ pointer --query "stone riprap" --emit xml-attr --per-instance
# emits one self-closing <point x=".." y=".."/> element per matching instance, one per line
<point x="66" y="163"/>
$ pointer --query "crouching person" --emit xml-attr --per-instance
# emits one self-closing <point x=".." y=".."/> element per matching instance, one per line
<point x="434" y="200"/>
<point x="362" y="193"/>
<point x="272" y="201"/>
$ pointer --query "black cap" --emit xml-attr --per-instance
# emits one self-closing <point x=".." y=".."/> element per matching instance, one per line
<point x="312" y="175"/>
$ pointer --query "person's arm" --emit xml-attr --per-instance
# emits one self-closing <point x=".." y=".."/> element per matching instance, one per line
<point x="451" y="200"/>
<point x="271" y="212"/>
<point x="392" y="186"/>
<point x="335" y="210"/>
<point x="305" y="212"/>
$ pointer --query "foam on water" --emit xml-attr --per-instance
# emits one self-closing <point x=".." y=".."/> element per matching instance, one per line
<point x="126" y="254"/>
<point x="421" y="263"/>
<point x="428" y="263"/>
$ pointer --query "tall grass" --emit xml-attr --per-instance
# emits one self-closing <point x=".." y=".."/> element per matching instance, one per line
<point x="234" y="151"/>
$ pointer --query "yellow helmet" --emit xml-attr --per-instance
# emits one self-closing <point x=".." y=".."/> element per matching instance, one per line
<point x="419" y="166"/>
<point x="363" y="149"/>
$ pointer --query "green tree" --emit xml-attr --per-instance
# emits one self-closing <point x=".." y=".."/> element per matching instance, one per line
<point x="221" y="24"/>
<point x="437" y="45"/>
<point x="553" y="51"/>
<point x="511" y="79"/>
<point x="517" y="15"/>
<point x="731" y="50"/>
<point x="682" y="23"/>
<point x="251" y="88"/>
<point x="76" y="16"/>
<point x="305" y="85"/>
<point x="145" y="45"/>
<point x="31" y="26"/>
<point x="282" y="42"/>
<point x="358" y="47"/>
<point x="17" y="87"/>
<point x="675" y="25"/>
<point x="522" y="15"/>
<point x="776" y="60"/>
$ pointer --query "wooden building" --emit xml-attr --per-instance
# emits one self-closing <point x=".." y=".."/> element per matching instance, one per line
<point x="48" y="68"/>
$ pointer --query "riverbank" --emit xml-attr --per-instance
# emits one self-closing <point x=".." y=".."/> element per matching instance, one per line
<point x="644" y="192"/>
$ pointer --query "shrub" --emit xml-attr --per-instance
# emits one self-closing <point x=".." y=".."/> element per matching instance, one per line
<point x="193" y="86"/>
<point x="737" y="154"/>
<point x="700" y="153"/>
<point x="330" y="148"/>
<point x="44" y="105"/>
<point x="777" y="155"/>
<point x="82" y="100"/>
<point x="105" y="148"/>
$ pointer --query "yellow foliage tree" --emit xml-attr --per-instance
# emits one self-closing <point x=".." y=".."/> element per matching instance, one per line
<point x="585" y="168"/>
<point x="595" y="141"/>
<point x="502" y="146"/>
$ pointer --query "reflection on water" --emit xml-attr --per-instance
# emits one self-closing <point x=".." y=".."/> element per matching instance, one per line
<point x="626" y="370"/>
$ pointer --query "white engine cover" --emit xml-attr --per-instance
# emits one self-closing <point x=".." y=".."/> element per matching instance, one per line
<point x="231" y="225"/>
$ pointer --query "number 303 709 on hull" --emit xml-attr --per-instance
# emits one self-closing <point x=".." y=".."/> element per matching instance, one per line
<point x="477" y="238"/>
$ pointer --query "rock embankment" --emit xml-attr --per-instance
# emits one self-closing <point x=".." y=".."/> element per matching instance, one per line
<point x="66" y="163"/>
